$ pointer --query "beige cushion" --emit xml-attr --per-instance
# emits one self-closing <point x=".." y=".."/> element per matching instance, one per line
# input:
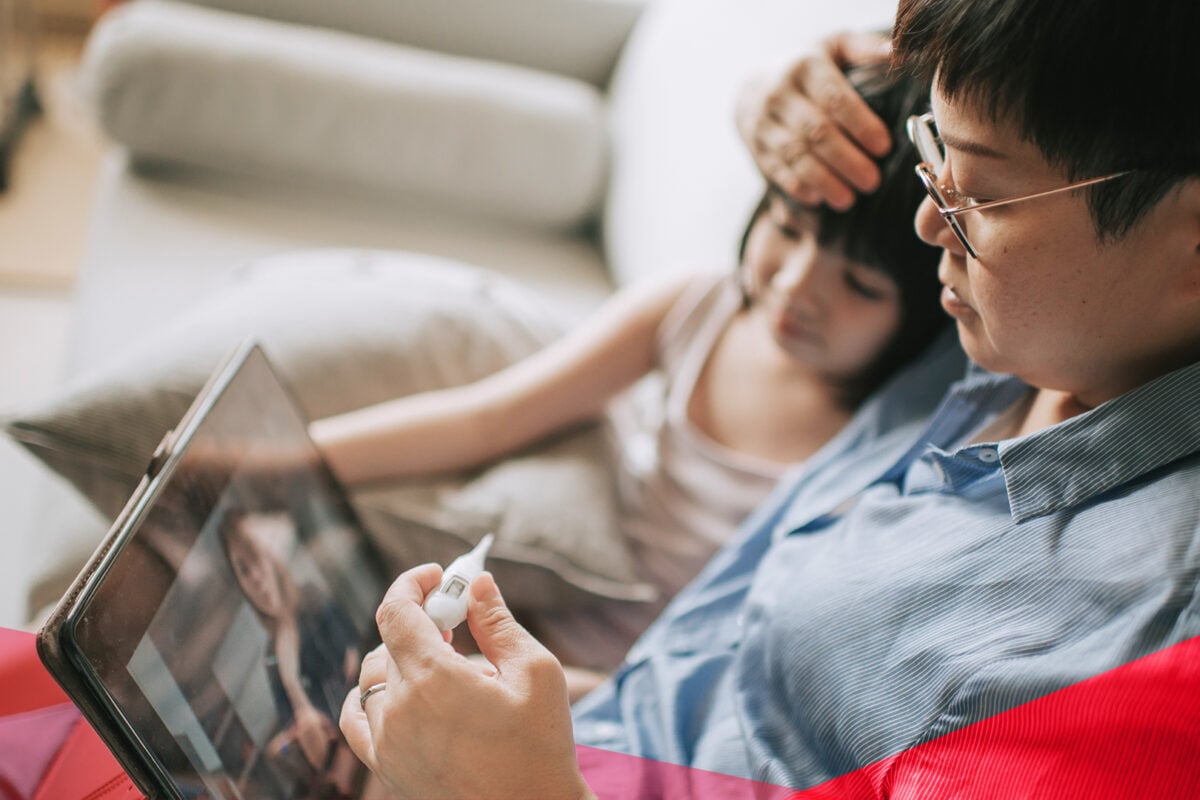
<point x="347" y="329"/>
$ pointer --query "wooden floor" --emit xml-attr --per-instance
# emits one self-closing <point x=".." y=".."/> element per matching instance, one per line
<point x="44" y="213"/>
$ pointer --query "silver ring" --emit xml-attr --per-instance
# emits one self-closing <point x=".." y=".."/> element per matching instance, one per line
<point x="372" y="689"/>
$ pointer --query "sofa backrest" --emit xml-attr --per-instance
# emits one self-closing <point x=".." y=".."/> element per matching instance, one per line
<point x="577" y="38"/>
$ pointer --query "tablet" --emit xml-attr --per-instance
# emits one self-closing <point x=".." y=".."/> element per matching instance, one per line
<point x="213" y="636"/>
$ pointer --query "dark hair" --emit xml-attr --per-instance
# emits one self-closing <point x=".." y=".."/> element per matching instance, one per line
<point x="878" y="229"/>
<point x="1098" y="87"/>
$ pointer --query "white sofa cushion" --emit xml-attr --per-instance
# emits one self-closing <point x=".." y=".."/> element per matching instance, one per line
<point x="347" y="329"/>
<point x="177" y="82"/>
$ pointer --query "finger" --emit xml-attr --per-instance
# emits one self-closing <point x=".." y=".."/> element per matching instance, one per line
<point x="418" y="653"/>
<point x="374" y="668"/>
<point x="807" y="177"/>
<point x="499" y="636"/>
<point x="781" y="174"/>
<point x="812" y="172"/>
<point x="366" y="718"/>
<point x="822" y="137"/>
<point x="823" y="82"/>
<point x="357" y="730"/>
<point x="411" y="638"/>
<point x="813" y="132"/>
<point x="858" y="47"/>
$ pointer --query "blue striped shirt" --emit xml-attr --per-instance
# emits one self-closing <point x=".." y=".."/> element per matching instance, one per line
<point x="869" y="608"/>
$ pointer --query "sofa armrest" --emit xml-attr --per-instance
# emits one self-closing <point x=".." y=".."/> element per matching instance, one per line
<point x="577" y="38"/>
<point x="178" y="83"/>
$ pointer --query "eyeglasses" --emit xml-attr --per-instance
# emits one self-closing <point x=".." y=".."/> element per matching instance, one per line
<point x="922" y="131"/>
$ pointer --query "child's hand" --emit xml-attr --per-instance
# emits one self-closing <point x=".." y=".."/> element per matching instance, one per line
<point x="315" y="734"/>
<point x="311" y="731"/>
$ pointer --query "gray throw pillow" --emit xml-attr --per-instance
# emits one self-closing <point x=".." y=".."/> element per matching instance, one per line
<point x="347" y="329"/>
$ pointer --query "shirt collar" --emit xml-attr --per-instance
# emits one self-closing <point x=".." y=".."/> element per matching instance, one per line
<point x="1104" y="448"/>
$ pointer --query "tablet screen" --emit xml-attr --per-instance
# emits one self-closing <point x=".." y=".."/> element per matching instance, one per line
<point x="230" y="625"/>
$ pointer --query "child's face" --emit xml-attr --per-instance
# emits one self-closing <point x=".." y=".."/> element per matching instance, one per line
<point x="256" y="569"/>
<point x="832" y="314"/>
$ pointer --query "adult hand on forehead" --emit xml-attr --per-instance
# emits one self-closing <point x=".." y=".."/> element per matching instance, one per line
<point x="809" y="131"/>
<point x="451" y="727"/>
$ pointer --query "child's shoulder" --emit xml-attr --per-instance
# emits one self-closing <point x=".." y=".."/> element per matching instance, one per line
<point x="706" y="301"/>
<point x="701" y="289"/>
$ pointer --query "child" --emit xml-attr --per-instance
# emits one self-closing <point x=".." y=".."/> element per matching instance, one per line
<point x="762" y="369"/>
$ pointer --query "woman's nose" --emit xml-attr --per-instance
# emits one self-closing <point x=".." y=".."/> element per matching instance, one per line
<point x="934" y="230"/>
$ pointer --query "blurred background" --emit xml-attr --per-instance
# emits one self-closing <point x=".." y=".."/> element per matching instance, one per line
<point x="568" y="147"/>
<point x="52" y="159"/>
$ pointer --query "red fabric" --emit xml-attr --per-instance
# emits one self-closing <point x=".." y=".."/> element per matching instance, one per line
<point x="29" y="742"/>
<point x="1132" y="732"/>
<point x="85" y="768"/>
<point x="48" y="752"/>
<point x="26" y="684"/>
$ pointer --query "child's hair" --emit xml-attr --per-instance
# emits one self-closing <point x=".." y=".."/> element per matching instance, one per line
<point x="1099" y="87"/>
<point x="878" y="229"/>
<point x="230" y="530"/>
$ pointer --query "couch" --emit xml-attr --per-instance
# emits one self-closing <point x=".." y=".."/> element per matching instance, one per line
<point x="572" y="146"/>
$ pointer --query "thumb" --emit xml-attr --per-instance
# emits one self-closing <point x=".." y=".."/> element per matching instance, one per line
<point x="499" y="636"/>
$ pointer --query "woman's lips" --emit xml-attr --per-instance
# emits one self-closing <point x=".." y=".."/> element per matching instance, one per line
<point x="955" y="306"/>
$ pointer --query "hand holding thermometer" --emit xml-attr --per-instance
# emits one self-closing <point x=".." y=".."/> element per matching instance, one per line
<point x="447" y="604"/>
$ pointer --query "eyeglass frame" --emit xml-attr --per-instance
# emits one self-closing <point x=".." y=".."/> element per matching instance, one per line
<point x="919" y="124"/>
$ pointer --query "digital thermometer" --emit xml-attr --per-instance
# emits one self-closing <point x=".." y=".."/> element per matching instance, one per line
<point x="447" y="604"/>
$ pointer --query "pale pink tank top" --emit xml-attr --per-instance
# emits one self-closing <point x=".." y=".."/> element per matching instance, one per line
<point x="682" y="494"/>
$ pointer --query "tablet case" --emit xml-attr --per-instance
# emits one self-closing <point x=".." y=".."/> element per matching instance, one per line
<point x="58" y="663"/>
<point x="50" y="639"/>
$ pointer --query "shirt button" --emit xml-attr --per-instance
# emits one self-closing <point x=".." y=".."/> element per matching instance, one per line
<point x="989" y="455"/>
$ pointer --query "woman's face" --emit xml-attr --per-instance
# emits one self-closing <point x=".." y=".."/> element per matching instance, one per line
<point x="1047" y="300"/>
<point x="831" y="313"/>
<point x="254" y="566"/>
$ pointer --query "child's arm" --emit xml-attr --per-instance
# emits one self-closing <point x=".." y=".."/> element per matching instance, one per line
<point x="566" y="383"/>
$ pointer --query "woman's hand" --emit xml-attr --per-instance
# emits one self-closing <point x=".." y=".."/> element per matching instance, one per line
<point x="809" y="131"/>
<point x="450" y="727"/>
<point x="580" y="681"/>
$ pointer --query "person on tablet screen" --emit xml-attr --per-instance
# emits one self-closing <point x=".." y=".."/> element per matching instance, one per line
<point x="312" y="653"/>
